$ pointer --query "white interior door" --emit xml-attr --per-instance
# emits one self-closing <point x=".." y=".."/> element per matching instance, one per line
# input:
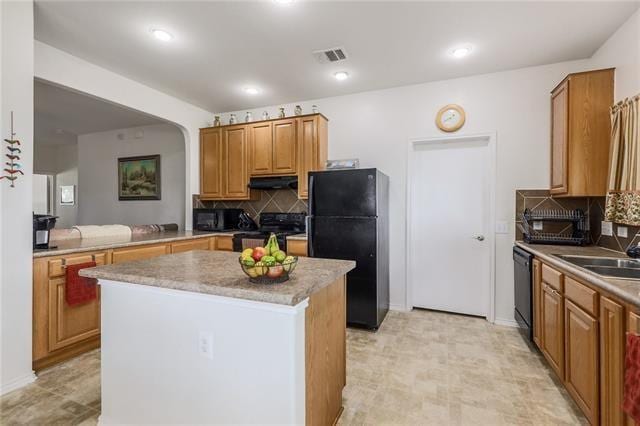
<point x="449" y="250"/>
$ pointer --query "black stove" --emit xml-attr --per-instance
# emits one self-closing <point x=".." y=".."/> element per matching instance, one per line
<point x="281" y="224"/>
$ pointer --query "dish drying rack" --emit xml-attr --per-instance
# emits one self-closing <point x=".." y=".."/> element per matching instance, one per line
<point x="578" y="236"/>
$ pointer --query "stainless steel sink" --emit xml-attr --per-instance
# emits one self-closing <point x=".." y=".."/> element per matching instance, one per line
<point x="607" y="266"/>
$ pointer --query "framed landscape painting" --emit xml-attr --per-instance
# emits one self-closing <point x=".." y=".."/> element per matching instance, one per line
<point x="139" y="178"/>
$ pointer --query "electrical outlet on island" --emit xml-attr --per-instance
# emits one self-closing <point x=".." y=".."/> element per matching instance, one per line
<point x="205" y="344"/>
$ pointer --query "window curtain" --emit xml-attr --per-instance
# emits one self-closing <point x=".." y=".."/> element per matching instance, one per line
<point x="623" y="197"/>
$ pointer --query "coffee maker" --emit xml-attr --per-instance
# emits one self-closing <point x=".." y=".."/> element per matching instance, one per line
<point x="42" y="225"/>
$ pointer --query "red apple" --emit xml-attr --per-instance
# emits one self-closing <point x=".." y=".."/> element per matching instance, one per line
<point x="258" y="252"/>
<point x="275" y="271"/>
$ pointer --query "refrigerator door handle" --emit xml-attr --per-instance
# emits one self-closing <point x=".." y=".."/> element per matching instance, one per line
<point x="310" y="236"/>
<point x="310" y="194"/>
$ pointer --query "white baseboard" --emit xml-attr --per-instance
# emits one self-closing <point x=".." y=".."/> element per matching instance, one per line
<point x="506" y="322"/>
<point x="17" y="383"/>
<point x="400" y="308"/>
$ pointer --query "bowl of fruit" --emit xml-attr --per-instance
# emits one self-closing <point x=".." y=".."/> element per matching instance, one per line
<point x="268" y="264"/>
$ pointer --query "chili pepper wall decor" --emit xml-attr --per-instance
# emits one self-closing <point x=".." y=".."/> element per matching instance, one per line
<point x="12" y="169"/>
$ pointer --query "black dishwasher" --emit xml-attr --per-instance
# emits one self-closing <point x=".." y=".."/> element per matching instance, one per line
<point x="523" y="291"/>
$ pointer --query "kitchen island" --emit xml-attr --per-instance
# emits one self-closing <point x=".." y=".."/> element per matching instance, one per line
<point x="186" y="338"/>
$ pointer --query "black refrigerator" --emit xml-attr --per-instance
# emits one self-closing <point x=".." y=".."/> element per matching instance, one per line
<point x="349" y="219"/>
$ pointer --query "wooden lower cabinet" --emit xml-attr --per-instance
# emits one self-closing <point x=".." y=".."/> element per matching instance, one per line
<point x="325" y="354"/>
<point x="61" y="331"/>
<point x="612" y="344"/>
<point x="537" y="308"/>
<point x="553" y="328"/>
<point x="581" y="359"/>
<point x="582" y="336"/>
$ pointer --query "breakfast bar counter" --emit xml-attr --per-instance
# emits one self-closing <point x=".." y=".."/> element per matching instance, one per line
<point x="186" y="338"/>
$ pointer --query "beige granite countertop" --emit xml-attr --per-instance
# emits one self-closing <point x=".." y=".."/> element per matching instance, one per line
<point x="626" y="290"/>
<point x="90" y="244"/>
<point x="218" y="273"/>
<point x="297" y="237"/>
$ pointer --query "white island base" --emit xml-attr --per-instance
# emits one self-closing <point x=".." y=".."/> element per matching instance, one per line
<point x="179" y="357"/>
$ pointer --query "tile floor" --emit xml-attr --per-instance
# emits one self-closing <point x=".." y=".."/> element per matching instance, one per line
<point x="420" y="368"/>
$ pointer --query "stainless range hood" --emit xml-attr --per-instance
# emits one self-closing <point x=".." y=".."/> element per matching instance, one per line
<point x="276" y="182"/>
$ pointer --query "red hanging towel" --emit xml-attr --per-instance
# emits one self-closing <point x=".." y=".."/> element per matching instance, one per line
<point x="79" y="289"/>
<point x="631" y="404"/>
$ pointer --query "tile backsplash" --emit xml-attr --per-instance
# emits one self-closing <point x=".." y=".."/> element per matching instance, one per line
<point x="538" y="199"/>
<point x="269" y="200"/>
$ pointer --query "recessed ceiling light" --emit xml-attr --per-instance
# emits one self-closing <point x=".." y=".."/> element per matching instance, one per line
<point x="341" y="75"/>
<point x="252" y="90"/>
<point x="461" y="52"/>
<point x="161" y="35"/>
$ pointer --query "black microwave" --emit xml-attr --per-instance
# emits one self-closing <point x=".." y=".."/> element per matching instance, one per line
<point x="216" y="219"/>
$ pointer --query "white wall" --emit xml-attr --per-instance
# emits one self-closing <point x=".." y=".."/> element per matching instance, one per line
<point x="622" y="51"/>
<point x="98" y="155"/>
<point x="16" y="93"/>
<point x="61" y="68"/>
<point x="61" y="161"/>
<point x="376" y="126"/>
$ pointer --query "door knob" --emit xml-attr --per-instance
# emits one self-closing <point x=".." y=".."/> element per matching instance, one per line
<point x="479" y="237"/>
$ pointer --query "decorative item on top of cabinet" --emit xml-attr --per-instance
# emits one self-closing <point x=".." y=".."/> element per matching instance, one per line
<point x="314" y="109"/>
<point x="232" y="119"/>
<point x="297" y="110"/>
<point x="580" y="139"/>
<point x="248" y="118"/>
<point x="216" y="121"/>
<point x="281" y="113"/>
<point x="265" y="115"/>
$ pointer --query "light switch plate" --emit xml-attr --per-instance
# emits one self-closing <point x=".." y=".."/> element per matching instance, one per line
<point x="538" y="225"/>
<point x="502" y="227"/>
<point x="622" y="231"/>
<point x="607" y="229"/>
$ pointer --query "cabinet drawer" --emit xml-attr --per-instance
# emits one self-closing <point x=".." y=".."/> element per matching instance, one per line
<point x="224" y="243"/>
<point x="198" y="244"/>
<point x="296" y="248"/>
<point x="581" y="295"/>
<point x="56" y="266"/>
<point x="139" y="253"/>
<point x="552" y="277"/>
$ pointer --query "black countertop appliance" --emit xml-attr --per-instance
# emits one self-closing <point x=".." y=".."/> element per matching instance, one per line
<point x="42" y="225"/>
<point x="523" y="291"/>
<point x="349" y="219"/>
<point x="210" y="220"/>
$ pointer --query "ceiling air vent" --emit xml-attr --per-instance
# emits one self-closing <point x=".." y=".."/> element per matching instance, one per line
<point x="335" y="54"/>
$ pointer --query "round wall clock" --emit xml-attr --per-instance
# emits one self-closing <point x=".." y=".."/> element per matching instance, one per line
<point x="450" y="118"/>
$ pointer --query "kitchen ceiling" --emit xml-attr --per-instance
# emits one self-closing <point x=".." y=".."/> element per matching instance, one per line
<point x="220" y="48"/>
<point x="61" y="114"/>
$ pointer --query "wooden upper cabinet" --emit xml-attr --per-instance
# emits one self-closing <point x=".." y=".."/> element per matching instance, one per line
<point x="230" y="155"/>
<point x="261" y="148"/>
<point x="582" y="375"/>
<point x="559" y="138"/>
<point x="612" y="343"/>
<point x="210" y="164"/>
<point x="284" y="147"/>
<point x="580" y="133"/>
<point x="235" y="164"/>
<point x="312" y="149"/>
